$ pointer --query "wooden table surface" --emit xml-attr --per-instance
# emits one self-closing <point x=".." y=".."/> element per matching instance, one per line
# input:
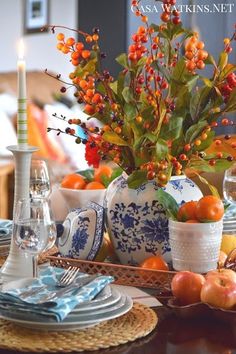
<point x="175" y="336"/>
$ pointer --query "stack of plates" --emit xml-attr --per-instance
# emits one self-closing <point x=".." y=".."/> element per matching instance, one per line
<point x="5" y="237"/>
<point x="108" y="304"/>
<point x="229" y="222"/>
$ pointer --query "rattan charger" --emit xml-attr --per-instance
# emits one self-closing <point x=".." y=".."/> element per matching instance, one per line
<point x="137" y="323"/>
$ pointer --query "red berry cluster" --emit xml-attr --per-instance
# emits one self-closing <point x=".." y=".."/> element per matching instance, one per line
<point x="168" y="14"/>
<point x="227" y="86"/>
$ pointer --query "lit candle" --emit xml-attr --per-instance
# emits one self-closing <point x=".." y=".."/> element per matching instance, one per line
<point x="22" y="129"/>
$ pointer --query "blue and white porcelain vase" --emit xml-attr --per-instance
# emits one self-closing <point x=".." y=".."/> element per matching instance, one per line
<point x="137" y="222"/>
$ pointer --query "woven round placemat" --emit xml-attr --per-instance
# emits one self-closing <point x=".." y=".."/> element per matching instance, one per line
<point x="137" y="323"/>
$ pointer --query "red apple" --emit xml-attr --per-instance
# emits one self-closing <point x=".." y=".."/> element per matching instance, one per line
<point x="228" y="273"/>
<point x="186" y="287"/>
<point x="219" y="291"/>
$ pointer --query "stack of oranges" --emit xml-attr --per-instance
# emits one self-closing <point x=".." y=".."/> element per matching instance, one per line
<point x="208" y="209"/>
<point x="78" y="181"/>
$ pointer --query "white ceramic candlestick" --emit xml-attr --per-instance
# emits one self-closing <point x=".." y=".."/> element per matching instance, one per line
<point x="19" y="264"/>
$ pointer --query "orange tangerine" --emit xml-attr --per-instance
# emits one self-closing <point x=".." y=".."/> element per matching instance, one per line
<point x="73" y="181"/>
<point x="95" y="185"/>
<point x="102" y="170"/>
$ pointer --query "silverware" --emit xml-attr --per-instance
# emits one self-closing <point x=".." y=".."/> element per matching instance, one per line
<point x="79" y="283"/>
<point x="66" y="279"/>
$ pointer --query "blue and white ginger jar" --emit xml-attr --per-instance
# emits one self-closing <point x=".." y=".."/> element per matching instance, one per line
<point x="137" y="223"/>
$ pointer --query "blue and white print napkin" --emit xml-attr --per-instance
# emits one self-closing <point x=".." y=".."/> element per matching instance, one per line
<point x="5" y="228"/>
<point x="56" y="309"/>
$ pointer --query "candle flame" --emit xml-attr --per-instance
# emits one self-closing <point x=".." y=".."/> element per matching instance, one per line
<point x="21" y="49"/>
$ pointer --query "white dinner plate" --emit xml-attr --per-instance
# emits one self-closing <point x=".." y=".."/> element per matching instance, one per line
<point x="70" y="322"/>
<point x="100" y="302"/>
<point x="91" y="312"/>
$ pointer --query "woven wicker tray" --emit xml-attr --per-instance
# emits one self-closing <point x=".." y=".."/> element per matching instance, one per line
<point x="124" y="275"/>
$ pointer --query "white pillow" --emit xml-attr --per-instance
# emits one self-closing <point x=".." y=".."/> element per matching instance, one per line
<point x="8" y="104"/>
<point x="7" y="134"/>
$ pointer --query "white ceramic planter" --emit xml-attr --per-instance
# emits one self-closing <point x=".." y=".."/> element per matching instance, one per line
<point x="137" y="222"/>
<point x="195" y="247"/>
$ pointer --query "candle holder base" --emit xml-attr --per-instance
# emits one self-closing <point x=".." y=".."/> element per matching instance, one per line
<point x="18" y="264"/>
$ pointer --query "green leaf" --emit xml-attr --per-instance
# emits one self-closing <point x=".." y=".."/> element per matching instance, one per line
<point x="137" y="178"/>
<point x="168" y="202"/>
<point x="151" y="137"/>
<point x="123" y="60"/>
<point x="90" y="66"/>
<point x="199" y="101"/>
<point x="210" y="60"/>
<point x="113" y="86"/>
<point x="88" y="174"/>
<point x="120" y="84"/>
<point x="138" y="143"/>
<point x="114" y="138"/>
<point x="206" y="143"/>
<point x="173" y="129"/>
<point x="179" y="70"/>
<point x="212" y="188"/>
<point x="130" y="111"/>
<point x="115" y="173"/>
<point x="231" y="104"/>
<point x="128" y="95"/>
<point x="228" y="69"/>
<point x="194" y="131"/>
<point x="223" y="60"/>
<point x="142" y="61"/>
<point x="200" y="165"/>
<point x="206" y="81"/>
<point x="222" y="165"/>
<point x="161" y="149"/>
<point x="162" y="69"/>
<point x="147" y="113"/>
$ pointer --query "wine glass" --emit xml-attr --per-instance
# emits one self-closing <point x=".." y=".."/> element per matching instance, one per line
<point x="34" y="230"/>
<point x="39" y="179"/>
<point x="229" y="185"/>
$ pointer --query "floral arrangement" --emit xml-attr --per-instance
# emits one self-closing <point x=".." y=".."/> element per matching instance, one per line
<point x="157" y="115"/>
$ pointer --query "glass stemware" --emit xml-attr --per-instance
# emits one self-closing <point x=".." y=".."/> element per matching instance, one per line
<point x="229" y="185"/>
<point x="39" y="179"/>
<point x="34" y="230"/>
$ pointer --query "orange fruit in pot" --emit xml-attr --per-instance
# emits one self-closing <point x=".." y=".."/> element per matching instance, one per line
<point x="73" y="181"/>
<point x="209" y="209"/>
<point x="94" y="185"/>
<point x="101" y="171"/>
<point x="154" y="262"/>
<point x="192" y="221"/>
<point x="187" y="211"/>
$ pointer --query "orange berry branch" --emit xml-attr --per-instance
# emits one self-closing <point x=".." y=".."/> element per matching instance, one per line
<point x="158" y="116"/>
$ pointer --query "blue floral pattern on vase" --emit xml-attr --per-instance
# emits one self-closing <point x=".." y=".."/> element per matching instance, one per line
<point x="80" y="237"/>
<point x="137" y="222"/>
<point x="83" y="232"/>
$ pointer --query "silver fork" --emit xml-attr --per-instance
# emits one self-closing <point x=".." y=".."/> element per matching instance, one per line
<point x="66" y="279"/>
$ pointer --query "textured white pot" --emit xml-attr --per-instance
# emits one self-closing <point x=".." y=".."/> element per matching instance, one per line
<point x="195" y="247"/>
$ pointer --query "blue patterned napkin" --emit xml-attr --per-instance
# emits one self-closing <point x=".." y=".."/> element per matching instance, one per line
<point x="58" y="309"/>
<point x="5" y="228"/>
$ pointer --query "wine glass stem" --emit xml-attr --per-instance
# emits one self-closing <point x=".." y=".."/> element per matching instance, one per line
<point x="35" y="266"/>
